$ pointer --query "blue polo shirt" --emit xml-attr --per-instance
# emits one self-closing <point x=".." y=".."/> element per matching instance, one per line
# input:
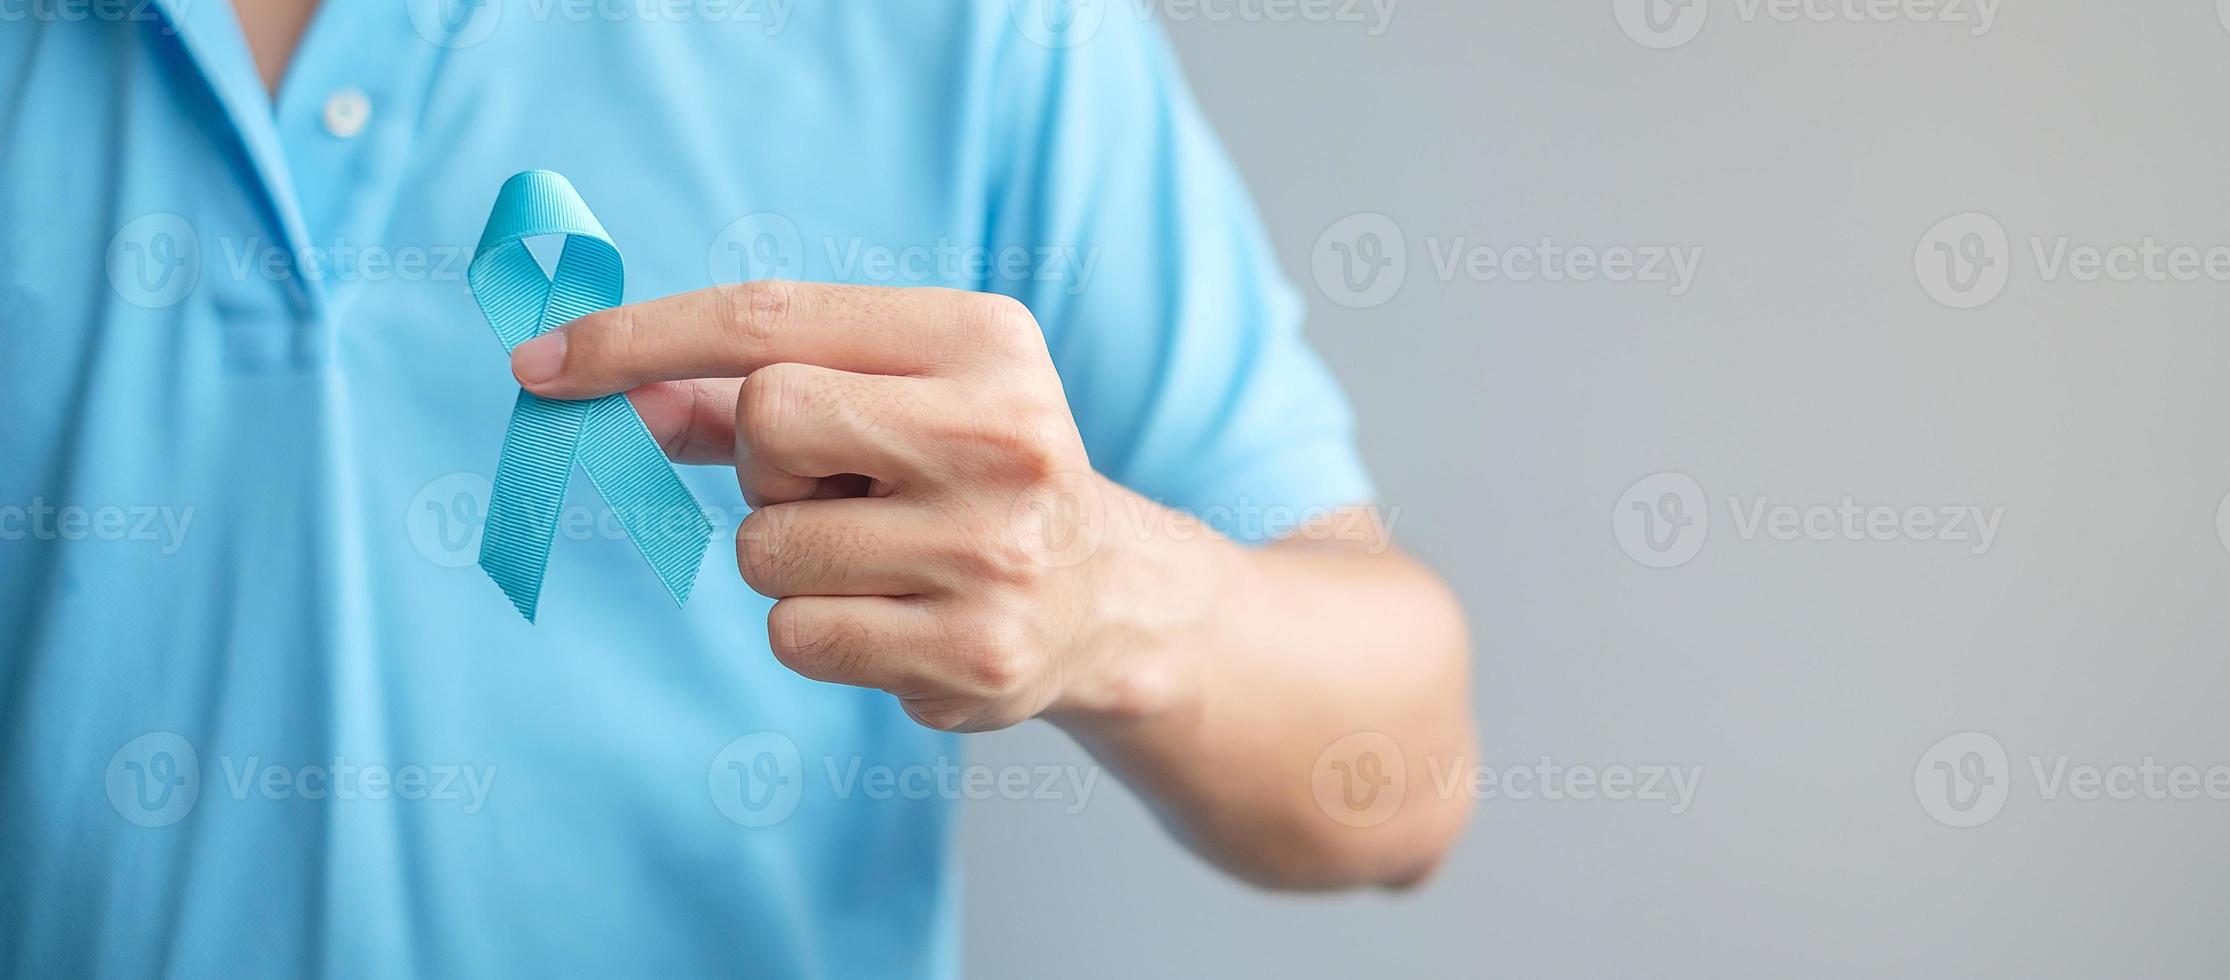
<point x="261" y="715"/>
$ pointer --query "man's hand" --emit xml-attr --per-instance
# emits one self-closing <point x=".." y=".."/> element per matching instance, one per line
<point x="922" y="507"/>
<point x="926" y="519"/>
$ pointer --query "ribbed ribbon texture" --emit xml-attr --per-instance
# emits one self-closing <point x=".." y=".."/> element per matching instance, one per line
<point x="546" y="436"/>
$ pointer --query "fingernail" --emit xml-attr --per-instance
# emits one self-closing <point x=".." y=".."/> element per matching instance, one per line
<point x="539" y="361"/>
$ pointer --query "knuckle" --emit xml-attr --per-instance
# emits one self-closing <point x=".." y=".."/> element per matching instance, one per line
<point x="1010" y="556"/>
<point x="1030" y="442"/>
<point x="758" y="310"/>
<point x="1007" y="314"/>
<point x="801" y="643"/>
<point x="998" y="673"/>
<point x="1008" y="324"/>
<point x="766" y="402"/>
<point x="943" y="717"/>
<point x="759" y="549"/>
<point x="997" y="663"/>
<point x="606" y="337"/>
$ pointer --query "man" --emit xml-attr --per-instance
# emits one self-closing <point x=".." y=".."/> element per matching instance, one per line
<point x="262" y="717"/>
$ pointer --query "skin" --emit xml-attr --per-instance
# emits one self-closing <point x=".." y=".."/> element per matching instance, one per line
<point x="929" y="524"/>
<point x="927" y="519"/>
<point x="273" y="29"/>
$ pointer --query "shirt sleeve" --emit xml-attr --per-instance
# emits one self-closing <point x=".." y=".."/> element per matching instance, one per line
<point x="1177" y="336"/>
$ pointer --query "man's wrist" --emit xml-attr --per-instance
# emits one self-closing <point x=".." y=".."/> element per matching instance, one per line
<point x="1152" y="594"/>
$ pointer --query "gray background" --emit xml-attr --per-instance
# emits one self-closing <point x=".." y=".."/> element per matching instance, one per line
<point x="1807" y="364"/>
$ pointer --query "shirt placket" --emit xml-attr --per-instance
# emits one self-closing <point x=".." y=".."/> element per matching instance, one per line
<point x="328" y="159"/>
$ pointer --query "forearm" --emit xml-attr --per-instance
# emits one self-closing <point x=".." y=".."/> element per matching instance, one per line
<point x="1219" y="702"/>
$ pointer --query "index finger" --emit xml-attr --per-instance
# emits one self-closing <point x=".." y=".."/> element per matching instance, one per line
<point x="731" y="331"/>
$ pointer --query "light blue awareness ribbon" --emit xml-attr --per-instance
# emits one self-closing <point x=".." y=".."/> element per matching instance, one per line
<point x="546" y="435"/>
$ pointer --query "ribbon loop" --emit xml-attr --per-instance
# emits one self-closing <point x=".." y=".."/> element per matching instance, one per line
<point x="546" y="436"/>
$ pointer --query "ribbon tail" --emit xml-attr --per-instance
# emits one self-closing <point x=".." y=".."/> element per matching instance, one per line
<point x="662" y="517"/>
<point x="538" y="452"/>
<point x="546" y="437"/>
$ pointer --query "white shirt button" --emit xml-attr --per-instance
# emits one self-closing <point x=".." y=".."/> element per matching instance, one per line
<point x="346" y="112"/>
